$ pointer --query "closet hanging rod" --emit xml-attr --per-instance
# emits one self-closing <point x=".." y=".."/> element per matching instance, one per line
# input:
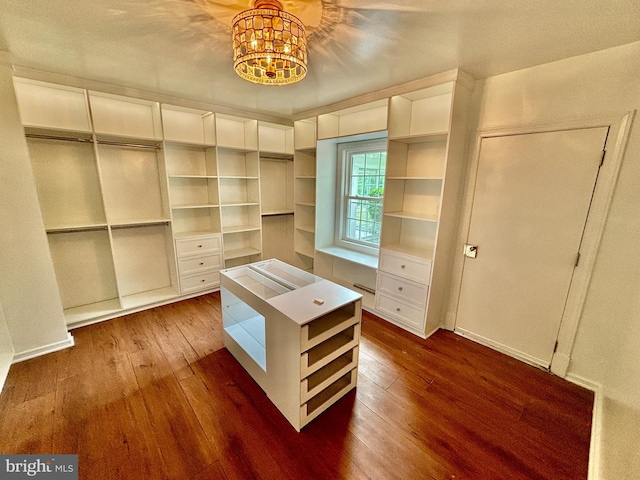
<point x="128" y="145"/>
<point x="140" y="225"/>
<point x="56" y="137"/>
<point x="76" y="230"/>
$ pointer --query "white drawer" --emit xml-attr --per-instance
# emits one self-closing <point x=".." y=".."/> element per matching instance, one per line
<point x="401" y="288"/>
<point x="405" y="266"/>
<point x="403" y="312"/>
<point x="189" y="265"/>
<point x="192" y="283"/>
<point x="198" y="245"/>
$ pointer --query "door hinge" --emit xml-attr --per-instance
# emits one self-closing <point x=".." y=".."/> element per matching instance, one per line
<point x="604" y="152"/>
<point x="577" y="259"/>
<point x="555" y="347"/>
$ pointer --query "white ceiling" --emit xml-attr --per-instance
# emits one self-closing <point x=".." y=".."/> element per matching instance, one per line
<point x="182" y="47"/>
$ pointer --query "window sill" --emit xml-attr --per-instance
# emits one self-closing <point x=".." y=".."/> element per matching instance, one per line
<point x="370" y="261"/>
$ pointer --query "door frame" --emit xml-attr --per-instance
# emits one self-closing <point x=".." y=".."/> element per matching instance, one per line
<point x="619" y="129"/>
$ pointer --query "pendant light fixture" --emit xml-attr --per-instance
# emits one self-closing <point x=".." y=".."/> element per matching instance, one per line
<point x="269" y="45"/>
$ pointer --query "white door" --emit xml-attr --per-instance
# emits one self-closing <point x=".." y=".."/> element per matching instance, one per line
<point x="531" y="202"/>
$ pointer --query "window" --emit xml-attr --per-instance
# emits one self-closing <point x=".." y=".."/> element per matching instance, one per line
<point x="359" y="215"/>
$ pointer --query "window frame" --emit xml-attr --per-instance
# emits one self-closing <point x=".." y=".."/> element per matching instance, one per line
<point x="344" y="156"/>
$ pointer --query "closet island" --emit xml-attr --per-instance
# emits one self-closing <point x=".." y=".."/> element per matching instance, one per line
<point x="296" y="334"/>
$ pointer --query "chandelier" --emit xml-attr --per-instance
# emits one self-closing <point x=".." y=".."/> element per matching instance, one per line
<point x="269" y="45"/>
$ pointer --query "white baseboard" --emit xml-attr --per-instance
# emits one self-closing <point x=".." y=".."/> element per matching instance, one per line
<point x="596" y="423"/>
<point x="560" y="364"/>
<point x="536" y="362"/>
<point x="43" y="350"/>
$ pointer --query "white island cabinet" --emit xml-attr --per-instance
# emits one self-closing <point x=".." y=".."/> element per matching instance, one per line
<point x="295" y="333"/>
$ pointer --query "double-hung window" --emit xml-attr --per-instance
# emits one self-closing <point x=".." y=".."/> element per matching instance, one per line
<point x="361" y="187"/>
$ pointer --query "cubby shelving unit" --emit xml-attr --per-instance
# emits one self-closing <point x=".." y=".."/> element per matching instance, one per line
<point x="304" y="187"/>
<point x="365" y="118"/>
<point x="239" y="187"/>
<point x="295" y="333"/>
<point x="424" y="171"/>
<point x="192" y="174"/>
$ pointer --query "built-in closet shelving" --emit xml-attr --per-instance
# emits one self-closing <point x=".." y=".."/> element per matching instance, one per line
<point x="426" y="127"/>
<point x="275" y="144"/>
<point x="99" y="171"/>
<point x="192" y="175"/>
<point x="239" y="185"/>
<point x="347" y="267"/>
<point x="427" y="136"/>
<point x="305" y="193"/>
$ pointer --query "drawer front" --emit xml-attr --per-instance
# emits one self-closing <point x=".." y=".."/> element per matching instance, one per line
<point x="400" y="288"/>
<point x="202" y="281"/>
<point x="190" y="265"/>
<point x="197" y="245"/>
<point x="406" y="266"/>
<point x="403" y="312"/>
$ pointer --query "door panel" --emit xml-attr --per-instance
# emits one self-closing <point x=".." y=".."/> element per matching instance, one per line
<point x="530" y="206"/>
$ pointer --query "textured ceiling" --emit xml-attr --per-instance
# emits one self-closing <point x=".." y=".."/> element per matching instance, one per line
<point x="182" y="47"/>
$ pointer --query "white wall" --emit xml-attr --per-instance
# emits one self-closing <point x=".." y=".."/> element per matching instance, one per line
<point x="601" y="84"/>
<point x="28" y="289"/>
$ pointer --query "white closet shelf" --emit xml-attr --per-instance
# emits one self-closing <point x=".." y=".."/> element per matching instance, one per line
<point x="75" y="228"/>
<point x="306" y="177"/>
<point x="306" y="253"/>
<point x="194" y="176"/>
<point x="240" y="252"/>
<point x="350" y="255"/>
<point x="244" y="204"/>
<point x="306" y="204"/>
<point x="307" y="228"/>
<point x="426" y="217"/>
<point x="277" y="212"/>
<point x="422" y="251"/>
<point x="193" y="205"/>
<point x="236" y="177"/>
<point x="426" y="138"/>
<point x="149" y="297"/>
<point x="180" y="143"/>
<point x="231" y="148"/>
<point x="94" y="310"/>
<point x="239" y="228"/>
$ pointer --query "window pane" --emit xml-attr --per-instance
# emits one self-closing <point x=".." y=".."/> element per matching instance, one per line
<point x="365" y="171"/>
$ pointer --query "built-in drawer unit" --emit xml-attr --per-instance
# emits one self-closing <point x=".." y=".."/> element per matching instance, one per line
<point x="406" y="313"/>
<point x="191" y="265"/>
<point x="405" y="266"/>
<point x="198" y="245"/>
<point x="199" y="262"/>
<point x="405" y="290"/>
<point x="200" y="281"/>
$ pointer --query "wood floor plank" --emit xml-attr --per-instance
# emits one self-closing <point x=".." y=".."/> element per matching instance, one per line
<point x="155" y="395"/>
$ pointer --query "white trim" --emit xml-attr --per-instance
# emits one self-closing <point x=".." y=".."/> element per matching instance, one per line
<point x="620" y="127"/>
<point x="596" y="423"/>
<point x="43" y="350"/>
<point x="128" y="311"/>
<point x="6" y="361"/>
<point x="512" y="352"/>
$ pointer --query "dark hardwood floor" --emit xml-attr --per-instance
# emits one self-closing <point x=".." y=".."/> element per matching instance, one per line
<point x="155" y="395"/>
